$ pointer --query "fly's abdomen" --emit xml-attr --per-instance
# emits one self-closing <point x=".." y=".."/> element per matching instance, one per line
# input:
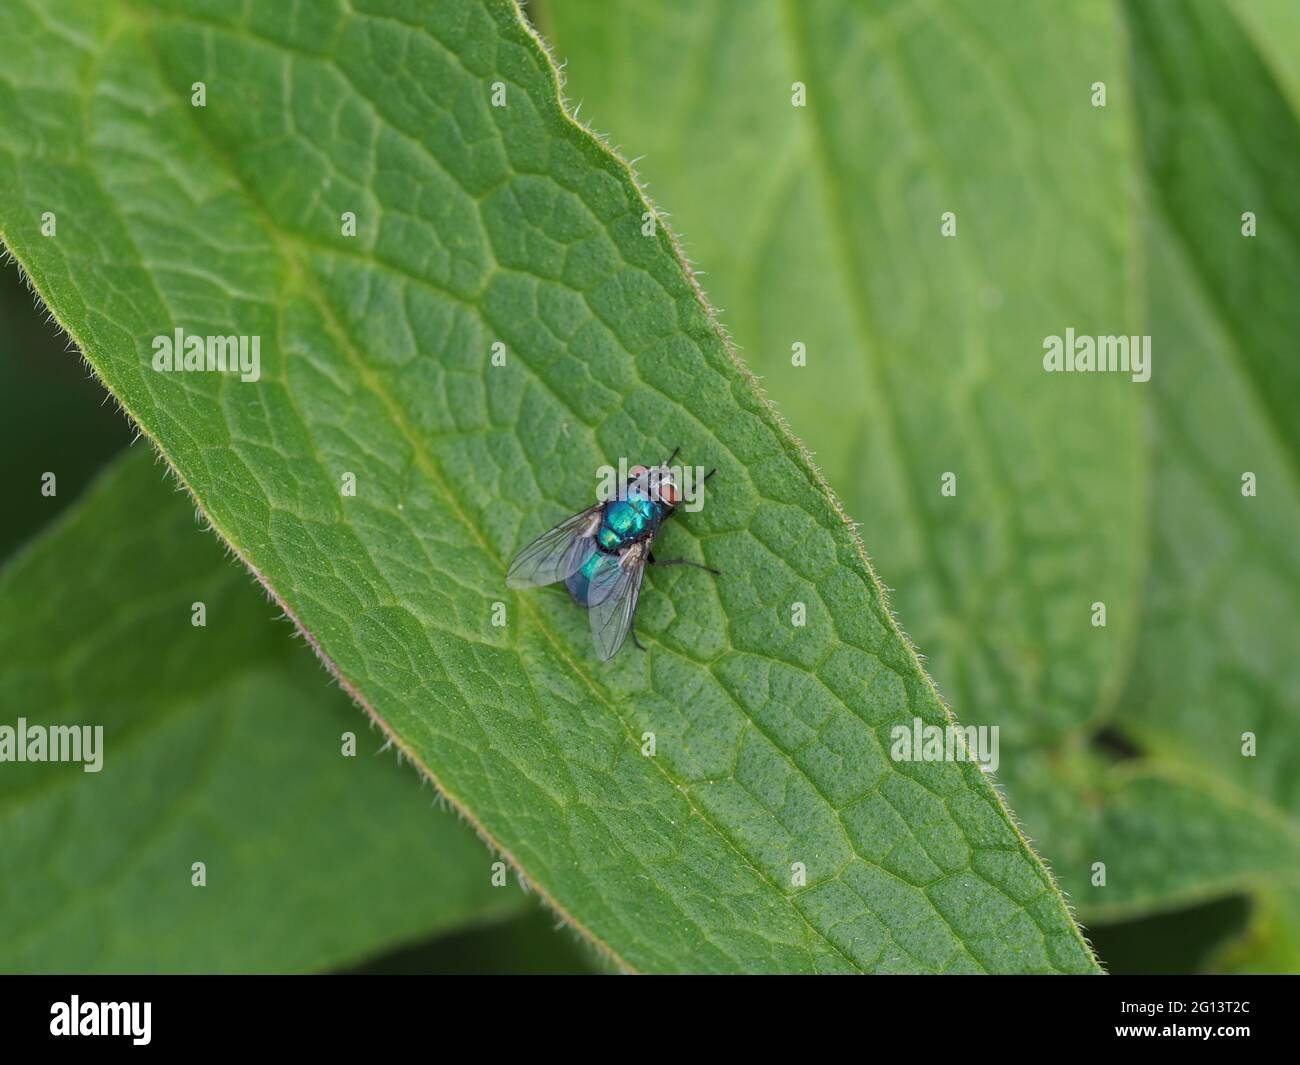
<point x="579" y="583"/>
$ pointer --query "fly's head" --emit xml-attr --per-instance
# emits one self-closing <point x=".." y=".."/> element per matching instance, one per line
<point x="659" y="483"/>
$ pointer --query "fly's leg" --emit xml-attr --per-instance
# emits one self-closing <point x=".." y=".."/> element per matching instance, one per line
<point x="682" y="562"/>
<point x="637" y="643"/>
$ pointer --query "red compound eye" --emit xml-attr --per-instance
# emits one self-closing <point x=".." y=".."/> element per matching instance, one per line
<point x="636" y="472"/>
<point x="668" y="493"/>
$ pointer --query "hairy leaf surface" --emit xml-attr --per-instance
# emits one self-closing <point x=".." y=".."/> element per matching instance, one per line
<point x="770" y="830"/>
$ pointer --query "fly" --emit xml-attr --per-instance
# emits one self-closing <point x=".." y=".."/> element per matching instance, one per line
<point x="601" y="553"/>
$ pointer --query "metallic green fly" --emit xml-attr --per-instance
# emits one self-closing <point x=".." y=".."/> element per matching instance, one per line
<point x="601" y="553"/>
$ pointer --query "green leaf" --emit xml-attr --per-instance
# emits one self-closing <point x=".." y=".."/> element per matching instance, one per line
<point x="478" y="224"/>
<point x="976" y="107"/>
<point x="221" y="744"/>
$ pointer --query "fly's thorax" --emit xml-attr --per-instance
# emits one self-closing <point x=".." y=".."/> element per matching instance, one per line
<point x="631" y="519"/>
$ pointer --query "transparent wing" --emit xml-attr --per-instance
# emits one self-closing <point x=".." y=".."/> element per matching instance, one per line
<point x="615" y="588"/>
<point x="558" y="553"/>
